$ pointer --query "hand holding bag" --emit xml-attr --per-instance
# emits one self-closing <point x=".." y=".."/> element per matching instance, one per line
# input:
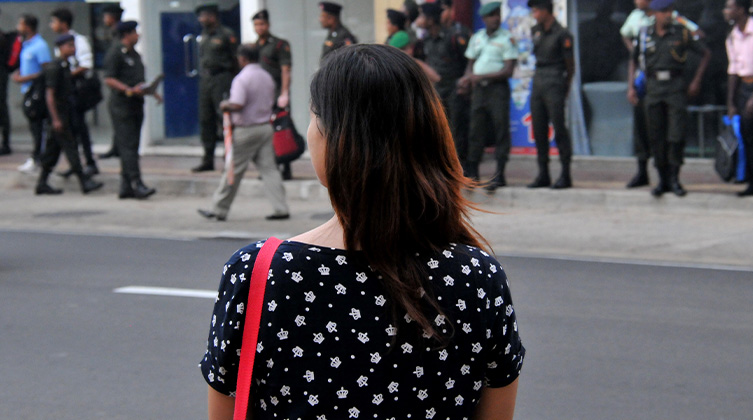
<point x="258" y="284"/>
<point x="288" y="144"/>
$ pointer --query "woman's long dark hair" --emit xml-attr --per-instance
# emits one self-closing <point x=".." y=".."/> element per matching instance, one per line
<point x="393" y="175"/>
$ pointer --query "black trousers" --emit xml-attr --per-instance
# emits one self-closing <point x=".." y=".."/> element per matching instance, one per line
<point x="37" y="128"/>
<point x="742" y="96"/>
<point x="458" y="111"/>
<point x="127" y="116"/>
<point x="548" y="105"/>
<point x="212" y="90"/>
<point x="58" y="142"/>
<point x="490" y="116"/>
<point x="81" y="134"/>
<point x="641" y="145"/>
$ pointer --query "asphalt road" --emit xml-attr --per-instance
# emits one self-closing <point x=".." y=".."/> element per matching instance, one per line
<point x="604" y="340"/>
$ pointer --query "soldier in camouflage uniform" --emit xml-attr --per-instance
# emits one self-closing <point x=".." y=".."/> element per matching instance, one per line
<point x="337" y="35"/>
<point x="217" y="47"/>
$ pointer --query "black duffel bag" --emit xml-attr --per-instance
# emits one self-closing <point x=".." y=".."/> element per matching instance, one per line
<point x="35" y="105"/>
<point x="88" y="92"/>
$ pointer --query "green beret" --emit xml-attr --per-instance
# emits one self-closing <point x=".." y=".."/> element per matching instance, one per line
<point x="489" y="8"/>
<point x="399" y="39"/>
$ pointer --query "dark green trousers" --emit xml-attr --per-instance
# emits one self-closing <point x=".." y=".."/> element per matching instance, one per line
<point x="58" y="142"/>
<point x="212" y="91"/>
<point x="548" y="96"/>
<point x="127" y="116"/>
<point x="458" y="111"/>
<point x="666" y="116"/>
<point x="490" y="116"/>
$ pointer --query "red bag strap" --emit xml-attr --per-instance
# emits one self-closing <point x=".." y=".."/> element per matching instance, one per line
<point x="257" y="285"/>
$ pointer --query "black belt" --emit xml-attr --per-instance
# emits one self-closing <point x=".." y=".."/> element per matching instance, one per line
<point x="664" y="75"/>
<point x="747" y="80"/>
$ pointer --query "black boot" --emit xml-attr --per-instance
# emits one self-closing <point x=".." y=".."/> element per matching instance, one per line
<point x="564" y="180"/>
<point x="87" y="184"/>
<point x="543" y="179"/>
<point x="91" y="169"/>
<point x="5" y="148"/>
<point x="499" y="178"/>
<point x="126" y="190"/>
<point x="641" y="177"/>
<point x="286" y="172"/>
<point x="470" y="170"/>
<point x="674" y="182"/>
<point x="43" y="188"/>
<point x="207" y="164"/>
<point x="663" y="185"/>
<point x="113" y="152"/>
<point x="140" y="190"/>
<point x="746" y="192"/>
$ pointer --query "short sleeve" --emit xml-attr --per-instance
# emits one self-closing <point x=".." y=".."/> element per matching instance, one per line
<point x="566" y="43"/>
<point x="43" y="54"/>
<point x="222" y="357"/>
<point x="472" y="51"/>
<point x="284" y="53"/>
<point x="111" y="64"/>
<point x="693" y="43"/>
<point x="51" y="76"/>
<point x="238" y="91"/>
<point x="510" y="51"/>
<point x="505" y="358"/>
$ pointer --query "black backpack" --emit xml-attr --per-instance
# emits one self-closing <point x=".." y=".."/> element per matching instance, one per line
<point x="35" y="104"/>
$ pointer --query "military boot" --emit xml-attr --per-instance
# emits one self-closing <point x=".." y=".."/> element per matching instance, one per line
<point x="663" y="185"/>
<point x="674" y="182"/>
<point x="87" y="184"/>
<point x="43" y="188"/>
<point x="543" y="179"/>
<point x="126" y="189"/>
<point x="564" y="181"/>
<point x="499" y="178"/>
<point x="641" y="177"/>
<point x="140" y="190"/>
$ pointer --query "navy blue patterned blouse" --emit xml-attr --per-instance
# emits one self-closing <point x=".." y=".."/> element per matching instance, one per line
<point x="330" y="347"/>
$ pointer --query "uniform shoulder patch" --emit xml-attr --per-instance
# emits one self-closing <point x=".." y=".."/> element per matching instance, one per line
<point x="568" y="43"/>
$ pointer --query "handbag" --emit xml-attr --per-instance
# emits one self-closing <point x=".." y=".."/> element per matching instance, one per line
<point x="257" y="285"/>
<point x="34" y="105"/>
<point x="288" y="144"/>
<point x="88" y="92"/>
<point x="727" y="151"/>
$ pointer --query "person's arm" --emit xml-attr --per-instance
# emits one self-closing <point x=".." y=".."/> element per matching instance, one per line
<point x="695" y="86"/>
<point x="23" y="79"/>
<point x="628" y="44"/>
<point x="84" y="56"/>
<point x="497" y="403"/>
<point x="432" y="74"/>
<point x="733" y="81"/>
<point x="227" y="106"/>
<point x="570" y="68"/>
<point x="117" y="85"/>
<point x="221" y="406"/>
<point x="57" y="125"/>
<point x="284" y="99"/>
<point x="505" y="73"/>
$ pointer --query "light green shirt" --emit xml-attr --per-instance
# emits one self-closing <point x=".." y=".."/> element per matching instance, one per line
<point x="491" y="52"/>
<point x="638" y="18"/>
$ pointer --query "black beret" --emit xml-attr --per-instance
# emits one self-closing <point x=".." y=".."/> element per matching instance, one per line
<point x="62" y="39"/>
<point x="432" y="10"/>
<point x="539" y="3"/>
<point x="208" y="7"/>
<point x="412" y="8"/>
<point x="396" y="17"/>
<point x="112" y="9"/>
<point x="127" y="26"/>
<point x="331" y="8"/>
<point x="261" y="14"/>
<point x="445" y="3"/>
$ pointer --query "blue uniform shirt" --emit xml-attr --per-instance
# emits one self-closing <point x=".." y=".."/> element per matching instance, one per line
<point x="34" y="53"/>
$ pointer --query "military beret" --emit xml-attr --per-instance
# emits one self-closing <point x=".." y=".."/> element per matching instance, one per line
<point x="208" y="7"/>
<point x="432" y="10"/>
<point x="539" y="3"/>
<point x="331" y="8"/>
<point x="62" y="39"/>
<point x="399" y="39"/>
<point x="396" y="17"/>
<point x="660" y="4"/>
<point x="445" y="3"/>
<point x="127" y="26"/>
<point x="489" y="8"/>
<point x="262" y="15"/>
<point x="113" y="9"/>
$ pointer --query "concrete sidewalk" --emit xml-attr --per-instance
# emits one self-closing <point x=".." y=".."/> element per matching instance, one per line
<point x="598" y="219"/>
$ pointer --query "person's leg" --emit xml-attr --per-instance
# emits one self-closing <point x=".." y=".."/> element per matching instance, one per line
<point x="540" y="126"/>
<point x="48" y="160"/>
<point x="744" y="93"/>
<point x="460" y="115"/>
<point x="4" y="113"/>
<point x="656" y="119"/>
<point x="641" y="146"/>
<point x="555" y="106"/>
<point x="677" y="116"/>
<point x="479" y="128"/>
<point x="243" y="152"/>
<point x="500" y="117"/>
<point x="264" y="160"/>
<point x="207" y="126"/>
<point x="83" y="138"/>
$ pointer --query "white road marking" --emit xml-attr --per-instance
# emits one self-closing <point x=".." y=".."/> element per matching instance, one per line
<point x="166" y="291"/>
